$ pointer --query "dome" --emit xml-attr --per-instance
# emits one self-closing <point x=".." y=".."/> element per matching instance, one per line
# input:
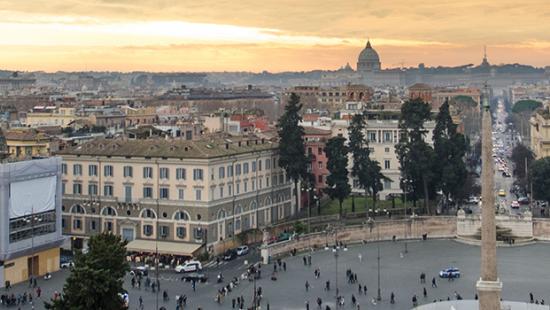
<point x="369" y="54"/>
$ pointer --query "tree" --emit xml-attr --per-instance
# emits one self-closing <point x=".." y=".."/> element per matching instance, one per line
<point x="292" y="156"/>
<point x="97" y="278"/>
<point x="375" y="177"/>
<point x="540" y="177"/>
<point x="526" y="106"/>
<point x="520" y="156"/>
<point x="337" y="181"/>
<point x="450" y="148"/>
<point x="359" y="148"/>
<point x="415" y="156"/>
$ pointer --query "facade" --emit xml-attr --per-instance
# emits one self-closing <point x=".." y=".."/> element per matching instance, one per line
<point x="50" y="116"/>
<point x="30" y="218"/>
<point x="28" y="142"/>
<point x="192" y="193"/>
<point x="315" y="141"/>
<point x="540" y="133"/>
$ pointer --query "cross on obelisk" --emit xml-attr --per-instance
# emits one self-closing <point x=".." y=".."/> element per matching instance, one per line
<point x="488" y="286"/>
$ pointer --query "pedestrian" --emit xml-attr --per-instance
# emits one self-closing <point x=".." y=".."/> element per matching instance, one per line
<point x="319" y="302"/>
<point x="38" y="292"/>
<point x="140" y="302"/>
<point x="531" y="299"/>
<point x="284" y="266"/>
<point x="360" y="257"/>
<point x="309" y="260"/>
<point x="233" y="303"/>
<point x="327" y="286"/>
<point x="307" y="305"/>
<point x="392" y="298"/>
<point x="353" y="299"/>
<point x="305" y="260"/>
<point x="422" y="278"/>
<point x="425" y="292"/>
<point x="475" y="297"/>
<point x="415" y="301"/>
<point x="365" y="290"/>
<point x="360" y="289"/>
<point x="275" y="267"/>
<point x="307" y="286"/>
<point x="433" y="282"/>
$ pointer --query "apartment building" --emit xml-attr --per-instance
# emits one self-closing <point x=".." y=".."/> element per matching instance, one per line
<point x="540" y="133"/>
<point x="184" y="193"/>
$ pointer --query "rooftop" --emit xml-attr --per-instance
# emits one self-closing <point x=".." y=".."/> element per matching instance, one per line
<point x="209" y="147"/>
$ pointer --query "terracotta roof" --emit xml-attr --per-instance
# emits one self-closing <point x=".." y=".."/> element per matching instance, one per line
<point x="316" y="131"/>
<point x="26" y="135"/>
<point x="209" y="147"/>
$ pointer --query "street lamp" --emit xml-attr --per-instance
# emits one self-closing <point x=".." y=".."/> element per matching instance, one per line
<point x="371" y="223"/>
<point x="335" y="250"/>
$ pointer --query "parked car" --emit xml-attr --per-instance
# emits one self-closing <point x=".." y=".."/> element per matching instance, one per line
<point x="523" y="200"/>
<point x="230" y="255"/>
<point x="501" y="193"/>
<point x="242" y="250"/>
<point x="66" y="262"/>
<point x="189" y="266"/>
<point x="195" y="276"/>
<point x="451" y="272"/>
<point x="515" y="204"/>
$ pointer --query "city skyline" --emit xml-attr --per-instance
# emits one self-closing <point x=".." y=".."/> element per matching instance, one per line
<point x="276" y="36"/>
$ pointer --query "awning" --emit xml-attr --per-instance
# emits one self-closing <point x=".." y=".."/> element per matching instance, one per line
<point x="164" y="247"/>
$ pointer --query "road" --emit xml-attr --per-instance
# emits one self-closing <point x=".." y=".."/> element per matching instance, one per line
<point x="521" y="269"/>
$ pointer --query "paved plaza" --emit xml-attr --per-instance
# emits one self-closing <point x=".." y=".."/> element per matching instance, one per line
<point x="522" y="269"/>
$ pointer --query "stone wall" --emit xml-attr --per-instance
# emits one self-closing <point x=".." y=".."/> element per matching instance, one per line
<point x="541" y="229"/>
<point x="412" y="228"/>
<point x="521" y="225"/>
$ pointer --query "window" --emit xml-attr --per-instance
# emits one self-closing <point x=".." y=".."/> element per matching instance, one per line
<point x="77" y="189"/>
<point x="253" y="184"/>
<point x="77" y="224"/>
<point x="128" y="171"/>
<point x="181" y="216"/>
<point x="320" y="179"/>
<point x="198" y="194"/>
<point x="64" y="168"/>
<point x="238" y="169"/>
<point x="108" y="171"/>
<point x="164" y="173"/>
<point x="320" y="164"/>
<point x="147" y="172"/>
<point x="387" y="150"/>
<point x="147" y="192"/>
<point x="63" y="188"/>
<point x="212" y="174"/>
<point x="148" y="213"/>
<point x="245" y="187"/>
<point x="387" y="164"/>
<point x="77" y="169"/>
<point x="164" y="193"/>
<point x="268" y="163"/>
<point x="92" y="189"/>
<point x="387" y="184"/>
<point x="309" y="151"/>
<point x="253" y="166"/>
<point x="109" y="226"/>
<point x="260" y="165"/>
<point x="229" y="171"/>
<point x="108" y="190"/>
<point x="108" y="211"/>
<point x="148" y="230"/>
<point x="238" y="188"/>
<point x="230" y="189"/>
<point x="181" y="232"/>
<point x="320" y="151"/>
<point x="221" y="172"/>
<point x="245" y="168"/>
<point x="164" y="231"/>
<point x="197" y="174"/>
<point x="181" y="194"/>
<point x="387" y="136"/>
<point x="92" y="170"/>
<point x="127" y="193"/>
<point x="221" y="191"/>
<point x="371" y="136"/>
<point x="180" y="173"/>
<point x="266" y="183"/>
<point x="93" y="224"/>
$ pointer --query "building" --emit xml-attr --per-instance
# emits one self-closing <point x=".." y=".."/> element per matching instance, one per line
<point x="195" y="192"/>
<point x="30" y="217"/>
<point x="368" y="60"/>
<point x="25" y="143"/>
<point x="50" y="116"/>
<point x="540" y="133"/>
<point x="315" y="141"/>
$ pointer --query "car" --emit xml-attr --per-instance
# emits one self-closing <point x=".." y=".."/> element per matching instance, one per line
<point x="229" y="254"/>
<point x="515" y="204"/>
<point x="194" y="276"/>
<point x="473" y="200"/>
<point x="451" y="272"/>
<point x="242" y="250"/>
<point x="502" y="193"/>
<point x="189" y="266"/>
<point x="66" y="262"/>
<point x="523" y="200"/>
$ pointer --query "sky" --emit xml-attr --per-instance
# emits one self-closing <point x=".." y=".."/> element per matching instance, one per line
<point x="272" y="35"/>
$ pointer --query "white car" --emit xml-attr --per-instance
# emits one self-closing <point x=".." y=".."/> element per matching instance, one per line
<point x="189" y="266"/>
<point x="242" y="250"/>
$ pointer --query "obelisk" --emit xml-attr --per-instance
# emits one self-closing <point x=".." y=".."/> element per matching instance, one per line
<point x="488" y="286"/>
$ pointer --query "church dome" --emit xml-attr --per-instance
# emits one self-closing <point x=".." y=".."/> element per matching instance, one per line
<point x="369" y="54"/>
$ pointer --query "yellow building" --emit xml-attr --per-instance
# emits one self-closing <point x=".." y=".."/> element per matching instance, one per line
<point x="24" y="143"/>
<point x="51" y="116"/>
<point x="540" y="133"/>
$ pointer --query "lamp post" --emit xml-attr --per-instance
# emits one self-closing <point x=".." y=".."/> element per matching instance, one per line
<point x="336" y="250"/>
<point x="371" y="223"/>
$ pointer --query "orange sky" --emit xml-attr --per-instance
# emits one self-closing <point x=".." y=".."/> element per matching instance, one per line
<point x="273" y="35"/>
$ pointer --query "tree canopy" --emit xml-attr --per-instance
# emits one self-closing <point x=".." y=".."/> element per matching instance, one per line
<point x="527" y="105"/>
<point x="540" y="177"/>
<point x="292" y="156"/>
<point x="337" y="181"/>
<point x="97" y="277"/>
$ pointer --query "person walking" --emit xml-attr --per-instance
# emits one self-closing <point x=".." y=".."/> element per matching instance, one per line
<point x="415" y="301"/>
<point x="284" y="266"/>
<point x="305" y="260"/>
<point x="434" y="284"/>
<point x="392" y="298"/>
<point x="307" y="305"/>
<point x="422" y="278"/>
<point x="327" y="286"/>
<point x="531" y="298"/>
<point x="425" y="293"/>
<point x="365" y="290"/>
<point x="307" y="286"/>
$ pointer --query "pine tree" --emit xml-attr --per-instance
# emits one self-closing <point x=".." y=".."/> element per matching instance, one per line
<point x="97" y="277"/>
<point x="292" y="156"/>
<point x="337" y="181"/>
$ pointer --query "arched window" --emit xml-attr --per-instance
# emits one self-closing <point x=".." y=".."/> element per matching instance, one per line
<point x="221" y="214"/>
<point x="78" y="209"/>
<point x="148" y="213"/>
<point x="110" y="211"/>
<point x="181" y="216"/>
<point x="238" y="209"/>
<point x="268" y="201"/>
<point x="253" y="205"/>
